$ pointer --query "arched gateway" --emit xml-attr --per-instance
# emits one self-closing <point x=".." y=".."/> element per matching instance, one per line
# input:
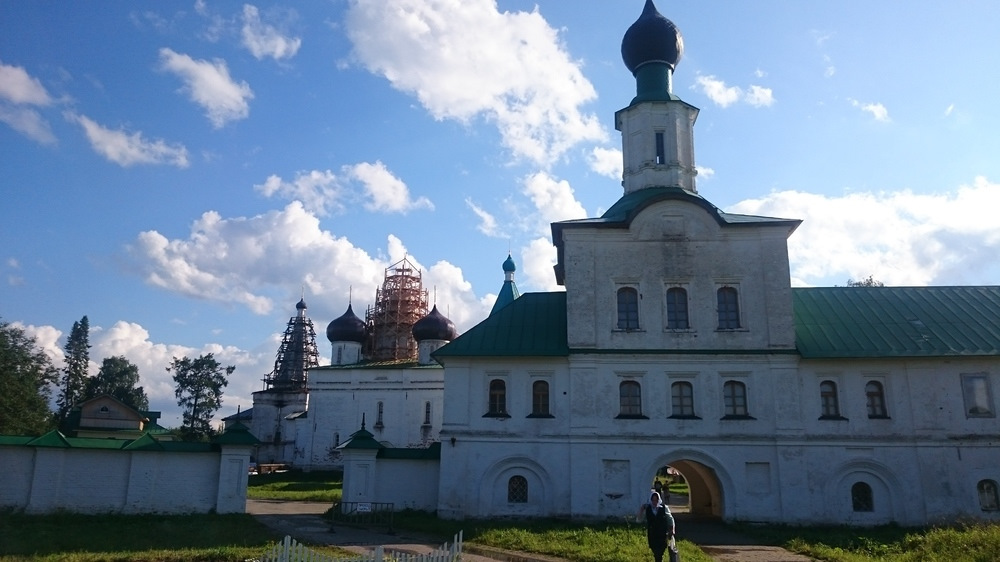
<point x="706" y="479"/>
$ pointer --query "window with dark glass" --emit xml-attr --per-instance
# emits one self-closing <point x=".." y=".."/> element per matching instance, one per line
<point x="630" y="399"/>
<point x="734" y="396"/>
<point x="729" y="308"/>
<point x="977" y="396"/>
<point x="682" y="399"/>
<point x="427" y="413"/>
<point x="517" y="489"/>
<point x="540" y="399"/>
<point x="379" y="408"/>
<point x="498" y="398"/>
<point x="677" y="309"/>
<point x="989" y="499"/>
<point x="628" y="308"/>
<point x="661" y="157"/>
<point x="875" y="396"/>
<point x="861" y="497"/>
<point x="828" y="399"/>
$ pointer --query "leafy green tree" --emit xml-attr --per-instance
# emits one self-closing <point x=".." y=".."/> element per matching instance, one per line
<point x="199" y="392"/>
<point x="119" y="378"/>
<point x="26" y="374"/>
<point x="74" y="374"/>
<point x="869" y="282"/>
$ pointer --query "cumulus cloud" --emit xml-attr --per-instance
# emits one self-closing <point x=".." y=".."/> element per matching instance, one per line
<point x="19" y="89"/>
<point x="487" y="222"/>
<point x="900" y="238"/>
<point x="127" y="149"/>
<point x="318" y="191"/>
<point x="553" y="200"/>
<point x="704" y="172"/>
<point x="537" y="261"/>
<point x="724" y="96"/>
<point x="877" y="110"/>
<point x="385" y="192"/>
<point x="208" y="84"/>
<point x="266" y="40"/>
<point x="463" y="60"/>
<point x="607" y="162"/>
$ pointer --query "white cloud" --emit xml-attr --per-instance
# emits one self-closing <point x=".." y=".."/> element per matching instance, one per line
<point x="877" y="110"/>
<point x="759" y="97"/>
<point x="704" y="172"/>
<point x="900" y="238"/>
<point x="317" y="191"/>
<point x="127" y="149"/>
<point x="18" y="87"/>
<point x="265" y="40"/>
<point x="724" y="96"/>
<point x="463" y="59"/>
<point x="487" y="222"/>
<point x="948" y="110"/>
<point x="553" y="199"/>
<point x="28" y="122"/>
<point x="537" y="260"/>
<point x="209" y="85"/>
<point x="386" y="192"/>
<point x="607" y="162"/>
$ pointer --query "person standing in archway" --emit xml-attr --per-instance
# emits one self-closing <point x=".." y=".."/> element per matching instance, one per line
<point x="659" y="525"/>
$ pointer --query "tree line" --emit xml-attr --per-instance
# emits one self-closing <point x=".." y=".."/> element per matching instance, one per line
<point x="29" y="379"/>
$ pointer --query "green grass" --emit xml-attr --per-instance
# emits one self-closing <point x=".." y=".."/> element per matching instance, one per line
<point x="962" y="543"/>
<point x="145" y="538"/>
<point x="317" y="486"/>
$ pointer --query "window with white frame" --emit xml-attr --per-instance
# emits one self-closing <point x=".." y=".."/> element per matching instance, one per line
<point x="875" y="399"/>
<point x="977" y="395"/>
<point x="628" y="308"/>
<point x="497" y="399"/>
<point x="829" y="403"/>
<point x="729" y="308"/>
<point x="677" y="309"/>
<point x="682" y="400"/>
<point x="630" y="399"/>
<point x="734" y="397"/>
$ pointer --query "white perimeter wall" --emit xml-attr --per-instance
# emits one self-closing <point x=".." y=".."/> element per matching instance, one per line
<point x="44" y="480"/>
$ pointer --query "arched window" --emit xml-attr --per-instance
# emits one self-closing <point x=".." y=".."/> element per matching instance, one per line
<point x="828" y="399"/>
<point x="630" y="399"/>
<point x="427" y="413"/>
<point x="729" y="308"/>
<point x="498" y="398"/>
<point x="861" y="497"/>
<point x="379" y="410"/>
<point x="677" y="309"/>
<point x="540" y="398"/>
<point x="989" y="500"/>
<point x="628" y="308"/>
<point x="517" y="489"/>
<point x="734" y="395"/>
<point x="682" y="399"/>
<point x="875" y="395"/>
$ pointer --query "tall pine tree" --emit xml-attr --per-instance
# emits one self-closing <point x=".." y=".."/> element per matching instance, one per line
<point x="199" y="392"/>
<point x="74" y="375"/>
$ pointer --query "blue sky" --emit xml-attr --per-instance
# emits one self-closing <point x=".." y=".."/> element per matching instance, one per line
<point x="182" y="172"/>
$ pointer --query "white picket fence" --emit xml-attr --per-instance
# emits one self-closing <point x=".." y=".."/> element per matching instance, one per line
<point x="289" y="550"/>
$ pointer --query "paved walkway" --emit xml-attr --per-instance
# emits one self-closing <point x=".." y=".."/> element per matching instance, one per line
<point x="304" y="522"/>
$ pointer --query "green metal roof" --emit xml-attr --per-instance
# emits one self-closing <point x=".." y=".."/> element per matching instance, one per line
<point x="431" y="453"/>
<point x="534" y="325"/>
<point x="833" y="322"/>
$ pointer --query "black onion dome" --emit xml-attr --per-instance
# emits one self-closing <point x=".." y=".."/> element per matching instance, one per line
<point x="346" y="328"/>
<point x="301" y="305"/>
<point x="434" y="326"/>
<point x="652" y="38"/>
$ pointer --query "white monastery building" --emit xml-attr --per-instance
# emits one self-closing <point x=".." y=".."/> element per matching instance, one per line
<point x="679" y="342"/>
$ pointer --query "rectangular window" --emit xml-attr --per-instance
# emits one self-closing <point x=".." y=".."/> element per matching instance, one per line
<point x="729" y="308"/>
<point x="828" y="399"/>
<point x="976" y="392"/>
<point x="875" y="399"/>
<point x="734" y="395"/>
<point x="628" y="308"/>
<point x="677" y="309"/>
<point x="497" y="399"/>
<point x="630" y="399"/>
<point x="661" y="154"/>
<point x="682" y="399"/>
